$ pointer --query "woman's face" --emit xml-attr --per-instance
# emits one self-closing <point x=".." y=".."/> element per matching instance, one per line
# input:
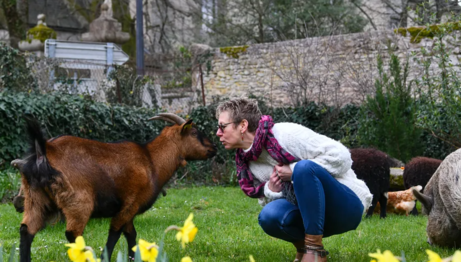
<point x="228" y="134"/>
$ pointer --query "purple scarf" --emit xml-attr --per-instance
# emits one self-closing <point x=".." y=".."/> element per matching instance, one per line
<point x="263" y="137"/>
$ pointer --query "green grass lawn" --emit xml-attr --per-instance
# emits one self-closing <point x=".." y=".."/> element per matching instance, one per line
<point x="228" y="231"/>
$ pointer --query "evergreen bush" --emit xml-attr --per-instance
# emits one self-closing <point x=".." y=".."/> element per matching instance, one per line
<point x="440" y="88"/>
<point x="388" y="120"/>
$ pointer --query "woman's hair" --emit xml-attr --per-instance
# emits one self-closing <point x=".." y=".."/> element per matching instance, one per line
<point x="239" y="109"/>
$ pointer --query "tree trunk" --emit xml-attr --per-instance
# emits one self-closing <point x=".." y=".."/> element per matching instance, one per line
<point x="16" y="18"/>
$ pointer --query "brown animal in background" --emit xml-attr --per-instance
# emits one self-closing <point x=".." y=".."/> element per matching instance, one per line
<point x="418" y="172"/>
<point x="401" y="202"/>
<point x="373" y="167"/>
<point x="84" y="178"/>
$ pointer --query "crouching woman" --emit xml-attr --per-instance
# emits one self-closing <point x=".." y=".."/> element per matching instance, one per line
<point x="303" y="180"/>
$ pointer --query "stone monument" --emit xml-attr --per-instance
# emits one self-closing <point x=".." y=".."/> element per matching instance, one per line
<point x="106" y="29"/>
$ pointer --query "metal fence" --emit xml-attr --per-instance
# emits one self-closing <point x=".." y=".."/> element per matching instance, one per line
<point x="167" y="73"/>
<point x="53" y="74"/>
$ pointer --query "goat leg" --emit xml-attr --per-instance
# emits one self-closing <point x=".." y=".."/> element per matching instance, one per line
<point x="32" y="221"/>
<point x="114" y="236"/>
<point x="414" y="211"/>
<point x="130" y="234"/>
<point x="374" y="203"/>
<point x="77" y="216"/>
<point x="25" y="244"/>
<point x="383" y="203"/>
<point x="123" y="222"/>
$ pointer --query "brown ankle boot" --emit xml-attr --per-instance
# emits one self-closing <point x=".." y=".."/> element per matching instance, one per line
<point x="299" y="245"/>
<point x="313" y="249"/>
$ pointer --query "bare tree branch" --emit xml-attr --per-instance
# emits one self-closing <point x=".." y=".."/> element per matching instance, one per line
<point x="365" y="13"/>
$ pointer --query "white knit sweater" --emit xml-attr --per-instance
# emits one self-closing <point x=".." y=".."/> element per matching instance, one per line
<point x="304" y="143"/>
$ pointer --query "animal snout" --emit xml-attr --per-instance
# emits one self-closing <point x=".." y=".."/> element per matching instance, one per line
<point x="212" y="151"/>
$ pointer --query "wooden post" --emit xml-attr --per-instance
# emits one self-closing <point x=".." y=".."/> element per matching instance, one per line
<point x="139" y="39"/>
<point x="203" y="87"/>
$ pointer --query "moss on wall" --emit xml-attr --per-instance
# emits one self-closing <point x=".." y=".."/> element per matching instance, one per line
<point x="40" y="32"/>
<point x="233" y="51"/>
<point x="418" y="33"/>
<point x="121" y="12"/>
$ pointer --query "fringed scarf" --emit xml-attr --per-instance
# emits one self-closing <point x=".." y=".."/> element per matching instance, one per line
<point x="263" y="138"/>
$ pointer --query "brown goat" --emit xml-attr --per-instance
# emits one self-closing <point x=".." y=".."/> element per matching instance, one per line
<point x="84" y="178"/>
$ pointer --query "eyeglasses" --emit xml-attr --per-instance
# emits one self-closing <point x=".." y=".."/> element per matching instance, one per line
<point x="223" y="126"/>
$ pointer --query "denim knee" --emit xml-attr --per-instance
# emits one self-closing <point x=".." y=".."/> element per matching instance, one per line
<point x="305" y="167"/>
<point x="281" y="219"/>
<point x="268" y="218"/>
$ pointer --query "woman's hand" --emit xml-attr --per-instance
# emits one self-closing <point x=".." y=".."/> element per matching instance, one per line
<point x="284" y="172"/>
<point x="275" y="183"/>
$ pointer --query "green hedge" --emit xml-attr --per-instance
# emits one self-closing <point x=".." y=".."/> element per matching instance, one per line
<point x="80" y="116"/>
<point x="71" y="115"/>
<point x="14" y="73"/>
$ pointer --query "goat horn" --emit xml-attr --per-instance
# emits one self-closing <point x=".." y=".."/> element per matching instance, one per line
<point x="425" y="200"/>
<point x="175" y="119"/>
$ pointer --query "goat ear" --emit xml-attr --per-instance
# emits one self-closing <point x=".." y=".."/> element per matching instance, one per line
<point x="186" y="126"/>
<point x="425" y="200"/>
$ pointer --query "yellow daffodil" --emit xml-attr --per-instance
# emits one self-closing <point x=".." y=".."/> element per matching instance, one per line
<point x="186" y="259"/>
<point x="456" y="256"/>
<point x="433" y="257"/>
<point x="76" y="251"/>
<point x="149" y="251"/>
<point x="187" y="233"/>
<point x="387" y="256"/>
<point x="252" y="259"/>
<point x="89" y="256"/>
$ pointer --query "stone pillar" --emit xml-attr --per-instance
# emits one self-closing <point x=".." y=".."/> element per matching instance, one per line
<point x="36" y="36"/>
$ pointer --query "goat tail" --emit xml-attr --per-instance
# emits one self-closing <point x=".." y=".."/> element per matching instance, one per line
<point x="38" y="141"/>
<point x="36" y="168"/>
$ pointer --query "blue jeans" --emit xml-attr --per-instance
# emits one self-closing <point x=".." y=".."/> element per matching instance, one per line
<point x="325" y="206"/>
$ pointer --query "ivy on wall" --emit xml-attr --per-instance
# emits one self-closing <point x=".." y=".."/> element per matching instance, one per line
<point x="71" y="115"/>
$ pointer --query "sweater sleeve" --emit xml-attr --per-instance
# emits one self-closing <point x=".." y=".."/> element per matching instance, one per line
<point x="306" y="144"/>
<point x="271" y="195"/>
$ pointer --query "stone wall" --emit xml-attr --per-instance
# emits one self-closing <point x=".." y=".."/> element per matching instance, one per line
<point x="336" y="70"/>
<point x="380" y="14"/>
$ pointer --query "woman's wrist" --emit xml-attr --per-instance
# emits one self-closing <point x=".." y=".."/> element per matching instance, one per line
<point x="270" y="193"/>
